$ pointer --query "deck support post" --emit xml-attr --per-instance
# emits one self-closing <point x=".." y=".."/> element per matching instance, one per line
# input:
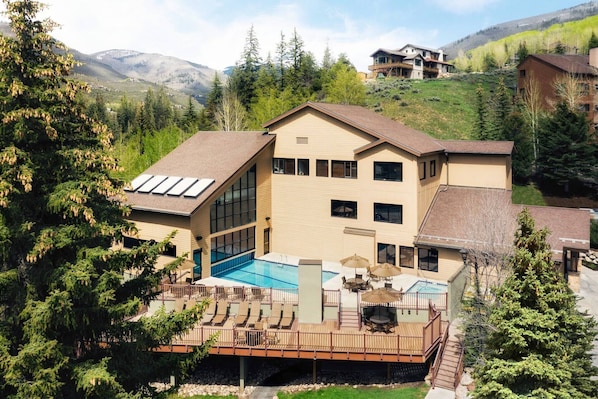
<point x="388" y="373"/>
<point x="242" y="373"/>
<point x="314" y="368"/>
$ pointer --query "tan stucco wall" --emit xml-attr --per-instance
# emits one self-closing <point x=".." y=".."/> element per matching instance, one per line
<point x="480" y="171"/>
<point x="301" y="220"/>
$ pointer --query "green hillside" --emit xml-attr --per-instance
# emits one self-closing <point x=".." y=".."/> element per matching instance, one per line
<point x="573" y="37"/>
<point x="443" y="108"/>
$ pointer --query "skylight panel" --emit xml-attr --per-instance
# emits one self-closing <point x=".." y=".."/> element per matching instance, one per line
<point x="166" y="185"/>
<point x="182" y="186"/>
<point x="138" y="182"/>
<point x="151" y="184"/>
<point x="198" y="187"/>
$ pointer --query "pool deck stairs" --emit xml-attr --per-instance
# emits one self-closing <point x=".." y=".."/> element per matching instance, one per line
<point x="349" y="319"/>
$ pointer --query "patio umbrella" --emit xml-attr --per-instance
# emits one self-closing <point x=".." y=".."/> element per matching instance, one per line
<point x="385" y="270"/>
<point x="355" y="261"/>
<point x="380" y="296"/>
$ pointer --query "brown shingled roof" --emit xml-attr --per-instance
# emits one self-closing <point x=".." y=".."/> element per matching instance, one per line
<point x="570" y="63"/>
<point x="384" y="129"/>
<point x="456" y="217"/>
<point x="477" y="147"/>
<point x="213" y="155"/>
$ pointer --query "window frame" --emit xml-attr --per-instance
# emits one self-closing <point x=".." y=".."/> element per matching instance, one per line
<point x="422" y="170"/>
<point x="385" y="173"/>
<point x="349" y="169"/>
<point x="387" y="253"/>
<point x="283" y="166"/>
<point x="336" y="204"/>
<point x="432" y="168"/>
<point x="427" y="265"/>
<point x="303" y="167"/>
<point x="320" y="163"/>
<point x="407" y="251"/>
<point x="383" y="213"/>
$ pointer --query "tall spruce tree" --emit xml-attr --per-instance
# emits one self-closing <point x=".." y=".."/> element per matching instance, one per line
<point x="64" y="302"/>
<point x="539" y="345"/>
<point x="566" y="158"/>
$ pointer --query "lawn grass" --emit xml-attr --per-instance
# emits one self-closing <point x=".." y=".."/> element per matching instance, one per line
<point x="527" y="195"/>
<point x="348" y="392"/>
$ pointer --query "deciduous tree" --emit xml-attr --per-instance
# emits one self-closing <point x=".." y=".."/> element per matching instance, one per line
<point x="64" y="301"/>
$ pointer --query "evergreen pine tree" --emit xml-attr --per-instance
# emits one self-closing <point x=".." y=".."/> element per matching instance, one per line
<point x="64" y="302"/>
<point x="539" y="345"/>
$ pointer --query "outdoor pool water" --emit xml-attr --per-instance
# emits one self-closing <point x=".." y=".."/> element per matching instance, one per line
<point x="267" y="274"/>
<point x="428" y="287"/>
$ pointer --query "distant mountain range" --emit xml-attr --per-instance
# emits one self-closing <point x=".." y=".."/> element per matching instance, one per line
<point x="130" y="72"/>
<point x="538" y="22"/>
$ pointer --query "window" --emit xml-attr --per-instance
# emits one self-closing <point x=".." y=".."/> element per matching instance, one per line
<point x="584" y="107"/>
<point x="522" y="73"/>
<point x="388" y="213"/>
<point x="131" y="242"/>
<point x="522" y="92"/>
<point x="427" y="259"/>
<point x="346" y="169"/>
<point x="386" y="253"/>
<point x="583" y="88"/>
<point x="283" y="166"/>
<point x="433" y="168"/>
<point x="231" y="244"/>
<point x="301" y="140"/>
<point x="422" y="170"/>
<point x="236" y="207"/>
<point x="406" y="257"/>
<point x="322" y="167"/>
<point x="389" y="171"/>
<point x="418" y="62"/>
<point x="343" y="209"/>
<point x="303" y="167"/>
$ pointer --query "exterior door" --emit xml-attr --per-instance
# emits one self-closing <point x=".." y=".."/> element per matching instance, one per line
<point x="197" y="267"/>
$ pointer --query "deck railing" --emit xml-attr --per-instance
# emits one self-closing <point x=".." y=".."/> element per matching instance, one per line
<point x="409" y="300"/>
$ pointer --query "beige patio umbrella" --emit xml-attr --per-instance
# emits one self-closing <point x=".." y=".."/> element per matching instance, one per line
<point x="385" y="270"/>
<point x="355" y="262"/>
<point x="380" y="296"/>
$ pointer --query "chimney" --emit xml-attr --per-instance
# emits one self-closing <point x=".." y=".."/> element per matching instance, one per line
<point x="594" y="57"/>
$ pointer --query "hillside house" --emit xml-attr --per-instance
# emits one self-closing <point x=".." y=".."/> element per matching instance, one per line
<point x="409" y="62"/>
<point x="326" y="181"/>
<point x="547" y="69"/>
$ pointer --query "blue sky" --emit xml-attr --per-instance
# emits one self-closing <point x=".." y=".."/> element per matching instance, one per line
<point x="213" y="32"/>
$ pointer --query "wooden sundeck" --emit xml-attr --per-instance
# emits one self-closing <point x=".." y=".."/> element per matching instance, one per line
<point x="412" y="342"/>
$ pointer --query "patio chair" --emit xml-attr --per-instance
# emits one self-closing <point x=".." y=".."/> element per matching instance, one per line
<point x="243" y="314"/>
<point x="270" y="337"/>
<point x="288" y="315"/>
<point x="345" y="284"/>
<point x="221" y="313"/>
<point x="241" y="337"/>
<point x="179" y="303"/>
<point x="221" y="292"/>
<point x="255" y="312"/>
<point x="239" y="293"/>
<point x="257" y="293"/>
<point x="275" y="314"/>
<point x="209" y="313"/>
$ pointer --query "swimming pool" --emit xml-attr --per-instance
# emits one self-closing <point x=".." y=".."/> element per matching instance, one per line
<point x="267" y="274"/>
<point x="428" y="287"/>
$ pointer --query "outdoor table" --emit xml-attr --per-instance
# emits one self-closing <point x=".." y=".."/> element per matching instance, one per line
<point x="379" y="322"/>
<point x="356" y="283"/>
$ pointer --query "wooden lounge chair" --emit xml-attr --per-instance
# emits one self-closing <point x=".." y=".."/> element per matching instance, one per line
<point x="221" y="313"/>
<point x="287" y="315"/>
<point x="190" y="303"/>
<point x="242" y="314"/>
<point x="270" y="337"/>
<point x="275" y="314"/>
<point x="239" y="293"/>
<point x="209" y="313"/>
<point x="255" y="312"/>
